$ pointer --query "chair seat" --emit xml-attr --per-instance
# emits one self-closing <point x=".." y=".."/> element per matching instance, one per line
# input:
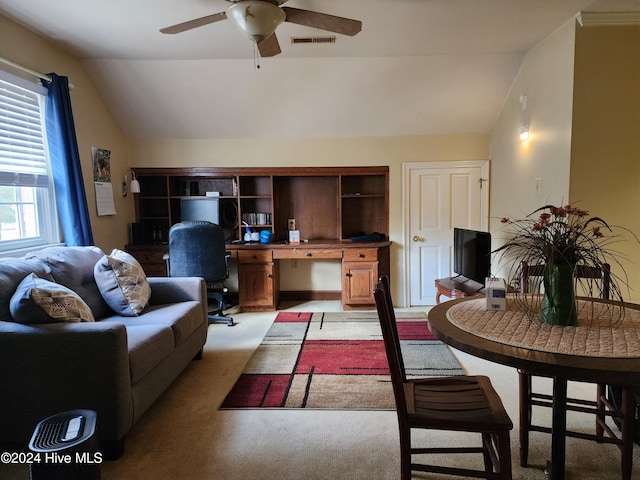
<point x="463" y="403"/>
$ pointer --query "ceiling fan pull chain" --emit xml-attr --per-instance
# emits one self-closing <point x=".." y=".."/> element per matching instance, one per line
<point x="256" y="56"/>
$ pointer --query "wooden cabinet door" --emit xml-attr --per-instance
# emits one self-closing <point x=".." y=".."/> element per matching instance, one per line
<point x="358" y="281"/>
<point x="256" y="286"/>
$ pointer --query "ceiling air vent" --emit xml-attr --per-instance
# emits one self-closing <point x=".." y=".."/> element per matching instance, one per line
<point x="313" y="39"/>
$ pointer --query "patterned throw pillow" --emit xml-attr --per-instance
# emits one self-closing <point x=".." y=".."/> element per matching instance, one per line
<point x="37" y="300"/>
<point x="122" y="283"/>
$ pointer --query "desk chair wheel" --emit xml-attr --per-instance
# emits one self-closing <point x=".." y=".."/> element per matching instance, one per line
<point x="216" y="315"/>
<point x="220" y="319"/>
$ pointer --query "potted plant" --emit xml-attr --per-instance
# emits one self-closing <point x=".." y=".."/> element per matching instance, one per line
<point x="560" y="239"/>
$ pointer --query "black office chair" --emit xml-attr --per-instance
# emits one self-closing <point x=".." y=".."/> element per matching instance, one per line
<point x="197" y="249"/>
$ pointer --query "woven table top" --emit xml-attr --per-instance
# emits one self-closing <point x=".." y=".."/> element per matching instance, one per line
<point x="597" y="333"/>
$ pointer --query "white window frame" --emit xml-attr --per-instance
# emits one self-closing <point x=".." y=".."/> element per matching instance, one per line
<point x="47" y="215"/>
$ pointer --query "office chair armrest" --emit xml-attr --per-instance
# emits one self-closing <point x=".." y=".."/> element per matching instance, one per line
<point x="227" y="256"/>
<point x="177" y="289"/>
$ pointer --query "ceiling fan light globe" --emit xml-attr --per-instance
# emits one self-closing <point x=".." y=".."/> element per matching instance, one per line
<point x="256" y="19"/>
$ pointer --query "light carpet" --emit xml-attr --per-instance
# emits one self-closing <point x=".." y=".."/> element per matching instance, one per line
<point x="184" y="435"/>
<point x="335" y="360"/>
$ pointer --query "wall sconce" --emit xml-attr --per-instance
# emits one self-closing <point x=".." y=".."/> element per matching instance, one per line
<point x="523" y="101"/>
<point x="524" y="129"/>
<point x="134" y="186"/>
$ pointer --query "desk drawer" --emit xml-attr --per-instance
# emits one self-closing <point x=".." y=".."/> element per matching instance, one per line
<point x="307" y="253"/>
<point x="148" y="256"/>
<point x="360" y="254"/>
<point x="255" y="256"/>
<point x="155" y="270"/>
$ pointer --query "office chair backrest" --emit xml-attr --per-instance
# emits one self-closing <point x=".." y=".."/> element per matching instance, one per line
<point x="197" y="249"/>
<point x="603" y="276"/>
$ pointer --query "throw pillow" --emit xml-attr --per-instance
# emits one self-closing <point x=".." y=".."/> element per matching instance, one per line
<point x="12" y="272"/>
<point x="122" y="283"/>
<point x="37" y="300"/>
<point x="73" y="268"/>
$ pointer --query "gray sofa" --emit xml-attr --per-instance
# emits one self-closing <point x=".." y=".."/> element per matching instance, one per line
<point x="116" y="365"/>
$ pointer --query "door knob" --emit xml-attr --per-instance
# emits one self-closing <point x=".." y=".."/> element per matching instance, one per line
<point x="416" y="238"/>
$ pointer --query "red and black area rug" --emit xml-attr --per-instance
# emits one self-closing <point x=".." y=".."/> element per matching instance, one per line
<point x="335" y="360"/>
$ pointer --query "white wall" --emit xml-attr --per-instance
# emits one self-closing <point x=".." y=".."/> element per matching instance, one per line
<point x="546" y="78"/>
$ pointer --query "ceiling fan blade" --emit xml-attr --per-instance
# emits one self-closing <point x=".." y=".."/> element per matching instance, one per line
<point x="270" y="46"/>
<point x="323" y="21"/>
<point x="195" y="23"/>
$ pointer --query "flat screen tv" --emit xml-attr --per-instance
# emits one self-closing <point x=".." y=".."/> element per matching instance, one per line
<point x="472" y="254"/>
<point x="200" y="208"/>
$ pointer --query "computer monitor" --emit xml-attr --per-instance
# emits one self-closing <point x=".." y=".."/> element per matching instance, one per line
<point x="200" y="208"/>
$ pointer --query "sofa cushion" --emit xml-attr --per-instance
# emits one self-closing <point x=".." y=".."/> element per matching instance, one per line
<point x="122" y="283"/>
<point x="37" y="300"/>
<point x="12" y="272"/>
<point x="73" y="268"/>
<point x="148" y="346"/>
<point x="183" y="318"/>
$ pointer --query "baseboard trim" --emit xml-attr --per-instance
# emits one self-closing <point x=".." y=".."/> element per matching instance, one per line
<point x="306" y="295"/>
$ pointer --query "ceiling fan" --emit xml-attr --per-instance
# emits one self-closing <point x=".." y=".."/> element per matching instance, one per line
<point x="258" y="19"/>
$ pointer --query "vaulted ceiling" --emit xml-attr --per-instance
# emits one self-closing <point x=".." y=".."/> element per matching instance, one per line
<point x="417" y="67"/>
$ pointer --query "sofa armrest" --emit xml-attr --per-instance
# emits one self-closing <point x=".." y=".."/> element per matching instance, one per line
<point x="178" y="289"/>
<point x="52" y="368"/>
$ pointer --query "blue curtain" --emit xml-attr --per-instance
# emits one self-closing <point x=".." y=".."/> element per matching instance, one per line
<point x="71" y="197"/>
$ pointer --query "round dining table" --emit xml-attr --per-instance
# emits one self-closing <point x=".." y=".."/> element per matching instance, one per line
<point x="603" y="348"/>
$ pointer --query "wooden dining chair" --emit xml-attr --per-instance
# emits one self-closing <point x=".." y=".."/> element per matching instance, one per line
<point x="601" y="275"/>
<point x="602" y="407"/>
<point x="461" y="403"/>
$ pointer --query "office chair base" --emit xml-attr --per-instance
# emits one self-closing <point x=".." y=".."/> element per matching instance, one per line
<point x="221" y="319"/>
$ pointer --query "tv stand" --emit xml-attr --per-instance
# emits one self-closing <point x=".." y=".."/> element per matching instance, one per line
<point x="457" y="287"/>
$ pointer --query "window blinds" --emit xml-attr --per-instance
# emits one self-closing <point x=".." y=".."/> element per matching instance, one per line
<point x="23" y="160"/>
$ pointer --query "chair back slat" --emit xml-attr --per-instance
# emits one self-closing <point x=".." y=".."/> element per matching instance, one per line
<point x="602" y="275"/>
<point x="388" y="325"/>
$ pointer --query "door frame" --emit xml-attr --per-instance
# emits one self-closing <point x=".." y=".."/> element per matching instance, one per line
<point x="408" y="167"/>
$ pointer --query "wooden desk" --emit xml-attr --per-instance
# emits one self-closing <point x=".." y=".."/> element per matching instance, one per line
<point x="259" y="272"/>
<point x="466" y="325"/>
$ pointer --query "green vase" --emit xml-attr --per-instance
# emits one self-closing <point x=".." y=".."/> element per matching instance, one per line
<point x="559" y="299"/>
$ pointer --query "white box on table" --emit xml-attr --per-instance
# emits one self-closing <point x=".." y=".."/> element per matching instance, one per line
<point x="294" y="237"/>
<point x="496" y="293"/>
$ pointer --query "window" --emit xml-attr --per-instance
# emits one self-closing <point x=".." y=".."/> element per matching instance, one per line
<point x="28" y="217"/>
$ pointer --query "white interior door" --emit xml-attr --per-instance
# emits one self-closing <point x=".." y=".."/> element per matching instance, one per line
<point x="439" y="197"/>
